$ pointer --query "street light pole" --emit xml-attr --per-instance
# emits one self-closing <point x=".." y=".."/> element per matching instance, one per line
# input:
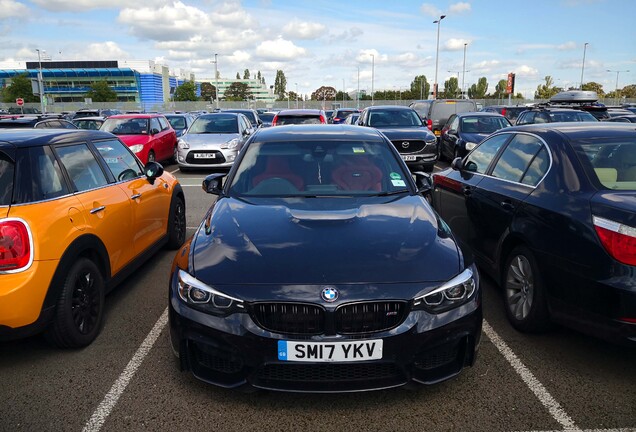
<point x="583" y="64"/>
<point x="343" y="92"/>
<point x="463" y="72"/>
<point x="358" y="93"/>
<point x="296" y="95"/>
<point x="372" y="78"/>
<point x="437" y="55"/>
<point x="40" y="82"/>
<point x="616" y="88"/>
<point x="216" y="82"/>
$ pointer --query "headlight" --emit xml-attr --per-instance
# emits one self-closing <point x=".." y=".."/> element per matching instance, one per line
<point x="453" y="293"/>
<point x="230" y="144"/>
<point x="137" y="148"/>
<point x="203" y="297"/>
<point x="431" y="141"/>
<point x="183" y="145"/>
<point x="470" y="145"/>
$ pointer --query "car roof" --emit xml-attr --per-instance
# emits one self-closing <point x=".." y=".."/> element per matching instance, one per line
<point x="318" y="133"/>
<point x="579" y="130"/>
<point x="126" y="116"/>
<point x="38" y="137"/>
<point x="389" y="108"/>
<point x="90" y="118"/>
<point x="299" y="111"/>
<point x="479" y="114"/>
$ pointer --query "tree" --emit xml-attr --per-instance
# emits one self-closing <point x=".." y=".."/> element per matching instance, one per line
<point x="186" y="92"/>
<point x="100" y="91"/>
<point x="280" y="85"/>
<point x="324" y="93"/>
<point x="246" y="74"/>
<point x="451" y="88"/>
<point x="547" y="90"/>
<point x="342" y="94"/>
<point x="420" y="87"/>
<point x="259" y="77"/>
<point x="500" y="90"/>
<point x="208" y="91"/>
<point x="478" y="91"/>
<point x="238" y="75"/>
<point x="629" y="91"/>
<point x="595" y="87"/>
<point x="237" y="92"/>
<point x="20" y="87"/>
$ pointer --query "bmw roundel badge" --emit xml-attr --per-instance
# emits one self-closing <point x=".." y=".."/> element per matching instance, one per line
<point x="329" y="294"/>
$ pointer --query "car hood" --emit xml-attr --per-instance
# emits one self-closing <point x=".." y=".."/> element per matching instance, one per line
<point x="407" y="133"/>
<point x="386" y="240"/>
<point x="473" y="137"/>
<point x="207" y="140"/>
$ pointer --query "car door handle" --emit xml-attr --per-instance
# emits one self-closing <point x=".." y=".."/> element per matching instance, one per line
<point x="507" y="205"/>
<point x="135" y="196"/>
<point x="97" y="209"/>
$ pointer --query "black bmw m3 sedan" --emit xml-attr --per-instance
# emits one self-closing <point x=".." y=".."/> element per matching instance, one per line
<point x="321" y="267"/>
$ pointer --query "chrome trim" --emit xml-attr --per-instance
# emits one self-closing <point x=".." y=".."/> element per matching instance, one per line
<point x="461" y="278"/>
<point x="135" y="196"/>
<point x="28" y="228"/>
<point x="97" y="209"/>
<point x="194" y="282"/>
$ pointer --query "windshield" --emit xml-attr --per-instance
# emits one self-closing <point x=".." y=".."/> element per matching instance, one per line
<point x="321" y="168"/>
<point x="215" y="124"/>
<point x="126" y="126"/>
<point x="177" y="122"/>
<point x="393" y="118"/>
<point x="482" y="125"/>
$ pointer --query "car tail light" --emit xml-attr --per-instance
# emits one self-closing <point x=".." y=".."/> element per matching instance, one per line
<point x="336" y="119"/>
<point x="429" y="124"/>
<point x="274" y="120"/>
<point x="322" y="119"/>
<point x="619" y="240"/>
<point x="16" y="246"/>
<point x="503" y="112"/>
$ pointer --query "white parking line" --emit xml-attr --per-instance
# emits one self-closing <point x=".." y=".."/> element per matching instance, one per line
<point x="555" y="409"/>
<point x="104" y="409"/>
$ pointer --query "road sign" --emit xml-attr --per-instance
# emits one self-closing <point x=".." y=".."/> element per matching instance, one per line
<point x="19" y="101"/>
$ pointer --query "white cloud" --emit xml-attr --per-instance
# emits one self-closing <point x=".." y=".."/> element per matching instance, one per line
<point x="567" y="46"/>
<point x="455" y="44"/>
<point x="104" y="51"/>
<point x="430" y="10"/>
<point x="526" y="71"/>
<point x="84" y="5"/>
<point x="303" y="30"/>
<point x="168" y="23"/>
<point x="12" y="9"/>
<point x="364" y="56"/>
<point x="459" y="8"/>
<point x="347" y="36"/>
<point x="485" y="66"/>
<point x="280" y="50"/>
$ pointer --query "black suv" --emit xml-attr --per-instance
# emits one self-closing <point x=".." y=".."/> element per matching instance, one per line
<point x="511" y="112"/>
<point x="404" y="128"/>
<point x="552" y="114"/>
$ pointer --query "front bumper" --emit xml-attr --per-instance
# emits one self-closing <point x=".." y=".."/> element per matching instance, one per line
<point x="233" y="351"/>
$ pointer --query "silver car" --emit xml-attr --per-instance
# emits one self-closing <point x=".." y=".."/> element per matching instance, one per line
<point x="213" y="141"/>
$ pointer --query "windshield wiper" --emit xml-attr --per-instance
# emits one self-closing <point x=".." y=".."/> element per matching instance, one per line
<point x="397" y="192"/>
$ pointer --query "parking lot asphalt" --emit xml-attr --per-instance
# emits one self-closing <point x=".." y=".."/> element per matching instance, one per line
<point x="128" y="379"/>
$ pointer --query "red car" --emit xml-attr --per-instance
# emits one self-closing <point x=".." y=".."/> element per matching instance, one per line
<point x="149" y="136"/>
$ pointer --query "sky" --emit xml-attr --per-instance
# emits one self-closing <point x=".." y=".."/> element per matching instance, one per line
<point x="382" y="44"/>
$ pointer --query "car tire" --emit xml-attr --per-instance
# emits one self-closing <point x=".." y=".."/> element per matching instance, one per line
<point x="176" y="224"/>
<point x="79" y="310"/>
<point x="175" y="155"/>
<point x="524" y="292"/>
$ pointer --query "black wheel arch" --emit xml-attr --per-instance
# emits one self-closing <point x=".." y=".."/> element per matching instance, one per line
<point x="88" y="246"/>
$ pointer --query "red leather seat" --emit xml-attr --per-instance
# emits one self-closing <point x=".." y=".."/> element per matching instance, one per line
<point x="357" y="173"/>
<point x="278" y="167"/>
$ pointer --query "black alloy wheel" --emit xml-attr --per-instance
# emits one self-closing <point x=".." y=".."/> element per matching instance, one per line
<point x="80" y="307"/>
<point x="176" y="224"/>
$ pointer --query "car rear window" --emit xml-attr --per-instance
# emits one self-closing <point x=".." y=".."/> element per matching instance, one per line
<point x="297" y="119"/>
<point x="443" y="110"/>
<point x="613" y="162"/>
<point x="6" y="179"/>
<point x="38" y="176"/>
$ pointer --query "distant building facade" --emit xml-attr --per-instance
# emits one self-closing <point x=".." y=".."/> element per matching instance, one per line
<point x="260" y="91"/>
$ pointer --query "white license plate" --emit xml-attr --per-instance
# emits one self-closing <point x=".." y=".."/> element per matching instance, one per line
<point x="408" y="158"/>
<point x="204" y="155"/>
<point x="330" y="351"/>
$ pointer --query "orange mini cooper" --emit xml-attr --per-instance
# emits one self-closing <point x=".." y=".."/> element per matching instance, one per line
<point x="78" y="212"/>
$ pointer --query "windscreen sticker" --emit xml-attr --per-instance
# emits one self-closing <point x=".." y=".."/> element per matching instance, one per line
<point x="395" y="176"/>
<point x="398" y="183"/>
<point x="358" y="149"/>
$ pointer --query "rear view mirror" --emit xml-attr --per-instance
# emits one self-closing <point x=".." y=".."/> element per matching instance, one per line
<point x="213" y="184"/>
<point x="423" y="182"/>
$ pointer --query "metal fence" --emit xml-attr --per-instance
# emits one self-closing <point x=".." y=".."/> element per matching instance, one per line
<point x="207" y="106"/>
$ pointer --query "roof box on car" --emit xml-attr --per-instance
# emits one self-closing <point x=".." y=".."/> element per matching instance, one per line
<point x="575" y="96"/>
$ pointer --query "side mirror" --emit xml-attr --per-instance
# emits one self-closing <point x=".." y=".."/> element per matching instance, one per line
<point x="457" y="164"/>
<point x="154" y="131"/>
<point x="423" y="182"/>
<point x="213" y="184"/>
<point x="152" y="171"/>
